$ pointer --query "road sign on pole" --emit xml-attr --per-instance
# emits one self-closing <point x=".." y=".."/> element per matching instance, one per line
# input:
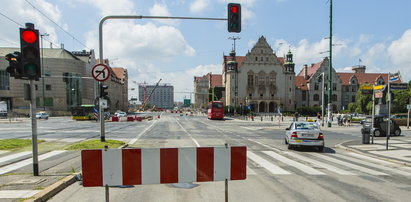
<point x="100" y="72"/>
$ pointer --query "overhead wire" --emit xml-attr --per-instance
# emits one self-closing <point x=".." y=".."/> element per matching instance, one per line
<point x="74" y="38"/>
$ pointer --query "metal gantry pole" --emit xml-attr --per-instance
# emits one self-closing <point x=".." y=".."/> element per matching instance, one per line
<point x="322" y="99"/>
<point x="34" y="128"/>
<point x="330" y="65"/>
<point x="389" y="111"/>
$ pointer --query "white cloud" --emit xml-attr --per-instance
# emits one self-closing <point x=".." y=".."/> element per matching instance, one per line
<point x="399" y="52"/>
<point x="26" y="13"/>
<point x="162" y="10"/>
<point x="198" y="6"/>
<point x="109" y="7"/>
<point x="141" y="43"/>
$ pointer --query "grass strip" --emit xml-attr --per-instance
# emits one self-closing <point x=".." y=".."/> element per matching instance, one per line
<point x="95" y="144"/>
<point x="10" y="144"/>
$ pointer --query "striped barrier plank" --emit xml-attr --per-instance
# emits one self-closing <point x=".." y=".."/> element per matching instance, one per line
<point x="115" y="167"/>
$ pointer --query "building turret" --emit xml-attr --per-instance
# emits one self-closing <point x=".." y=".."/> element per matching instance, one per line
<point x="289" y="64"/>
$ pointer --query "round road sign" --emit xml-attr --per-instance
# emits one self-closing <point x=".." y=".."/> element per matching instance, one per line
<point x="100" y="72"/>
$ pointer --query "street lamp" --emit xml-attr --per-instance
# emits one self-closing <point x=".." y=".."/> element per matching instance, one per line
<point x="42" y="70"/>
<point x="322" y="78"/>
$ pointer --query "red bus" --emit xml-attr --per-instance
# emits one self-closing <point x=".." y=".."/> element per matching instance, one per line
<point x="215" y="110"/>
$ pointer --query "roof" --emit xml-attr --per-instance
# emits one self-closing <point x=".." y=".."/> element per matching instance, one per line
<point x="47" y="53"/>
<point x="216" y="80"/>
<point x="119" y="72"/>
<point x="239" y="59"/>
<point x="363" y="77"/>
<point x="311" y="69"/>
<point x="301" y="83"/>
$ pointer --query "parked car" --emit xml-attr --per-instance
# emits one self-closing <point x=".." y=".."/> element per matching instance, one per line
<point x="120" y="114"/>
<point x="380" y="126"/>
<point x="304" y="134"/>
<point x="42" y="115"/>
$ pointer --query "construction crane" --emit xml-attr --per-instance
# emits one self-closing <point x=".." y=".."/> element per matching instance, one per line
<point x="143" y="106"/>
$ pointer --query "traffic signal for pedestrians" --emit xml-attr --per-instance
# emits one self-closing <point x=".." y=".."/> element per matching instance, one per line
<point x="30" y="52"/>
<point x="103" y="93"/>
<point x="14" y="68"/>
<point x="234" y="17"/>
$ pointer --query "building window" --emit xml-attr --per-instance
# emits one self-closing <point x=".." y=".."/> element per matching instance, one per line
<point x="347" y="88"/>
<point x="256" y="58"/>
<point x="304" y="95"/>
<point x="48" y="87"/>
<point x="250" y="80"/>
<point x="4" y="80"/>
<point x="36" y="86"/>
<point x="316" y="86"/>
<point x="290" y="89"/>
<point x="353" y="98"/>
<point x="316" y="97"/>
<point x="334" y="86"/>
<point x="354" y="89"/>
<point x="334" y="97"/>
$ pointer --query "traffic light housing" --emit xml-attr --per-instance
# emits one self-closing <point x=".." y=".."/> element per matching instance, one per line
<point x="30" y="53"/>
<point x="15" y="66"/>
<point x="103" y="93"/>
<point x="234" y="17"/>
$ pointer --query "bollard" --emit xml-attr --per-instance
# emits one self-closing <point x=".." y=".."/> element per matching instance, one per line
<point x="272" y="118"/>
<point x="261" y="118"/>
<point x="114" y="119"/>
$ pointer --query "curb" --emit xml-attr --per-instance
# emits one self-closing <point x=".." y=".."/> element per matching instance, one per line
<point x="53" y="189"/>
<point x="341" y="146"/>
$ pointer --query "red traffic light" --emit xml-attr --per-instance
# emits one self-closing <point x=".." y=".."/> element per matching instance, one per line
<point x="29" y="36"/>
<point x="234" y="9"/>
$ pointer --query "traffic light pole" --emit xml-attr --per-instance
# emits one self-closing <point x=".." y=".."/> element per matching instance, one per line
<point x="101" y="117"/>
<point x="34" y="128"/>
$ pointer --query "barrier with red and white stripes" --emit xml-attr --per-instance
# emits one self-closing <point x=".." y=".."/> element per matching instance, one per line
<point x="162" y="165"/>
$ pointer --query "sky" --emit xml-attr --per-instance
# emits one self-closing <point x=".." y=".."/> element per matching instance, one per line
<point x="374" y="33"/>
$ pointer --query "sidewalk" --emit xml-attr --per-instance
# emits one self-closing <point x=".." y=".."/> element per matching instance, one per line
<point x="399" y="148"/>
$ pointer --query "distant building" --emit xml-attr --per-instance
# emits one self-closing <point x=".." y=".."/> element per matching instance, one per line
<point x="260" y="80"/>
<point x="344" y="85"/>
<point x="207" y="88"/>
<point x="62" y="87"/>
<point x="162" y="96"/>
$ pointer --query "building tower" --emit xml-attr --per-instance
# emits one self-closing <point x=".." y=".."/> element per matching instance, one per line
<point x="232" y="72"/>
<point x="289" y="81"/>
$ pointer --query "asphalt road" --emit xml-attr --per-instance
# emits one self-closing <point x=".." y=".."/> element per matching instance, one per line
<point x="274" y="173"/>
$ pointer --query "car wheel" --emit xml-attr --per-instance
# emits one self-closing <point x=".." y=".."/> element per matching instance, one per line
<point x="377" y="133"/>
<point x="285" y="141"/>
<point x="397" y="132"/>
<point x="321" y="148"/>
<point x="290" y="146"/>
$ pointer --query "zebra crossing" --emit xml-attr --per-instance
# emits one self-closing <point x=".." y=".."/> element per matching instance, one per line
<point x="277" y="162"/>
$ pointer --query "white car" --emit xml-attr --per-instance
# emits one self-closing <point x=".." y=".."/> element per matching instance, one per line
<point x="120" y="114"/>
<point x="42" y="115"/>
<point x="304" y="134"/>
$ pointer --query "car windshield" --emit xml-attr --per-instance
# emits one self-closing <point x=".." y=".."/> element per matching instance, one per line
<point x="306" y="126"/>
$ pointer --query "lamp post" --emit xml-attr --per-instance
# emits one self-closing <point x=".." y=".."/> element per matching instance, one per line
<point x="330" y="67"/>
<point x="42" y="70"/>
<point x="322" y="98"/>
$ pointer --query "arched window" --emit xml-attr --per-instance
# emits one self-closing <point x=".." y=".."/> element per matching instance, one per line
<point x="316" y="97"/>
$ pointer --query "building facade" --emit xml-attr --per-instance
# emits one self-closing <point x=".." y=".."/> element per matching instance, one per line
<point x="260" y="80"/>
<point x="161" y="96"/>
<point x="207" y="88"/>
<point x="66" y="83"/>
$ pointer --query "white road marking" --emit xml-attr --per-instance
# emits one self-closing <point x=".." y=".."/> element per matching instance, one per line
<point x="132" y="141"/>
<point x="13" y="156"/>
<point x="379" y="161"/>
<point x="250" y="171"/>
<point x="195" y="141"/>
<point x="321" y="164"/>
<point x="373" y="165"/>
<point x="274" y="169"/>
<point x="18" y="193"/>
<point x="26" y="162"/>
<point x="350" y="165"/>
<point x="300" y="166"/>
